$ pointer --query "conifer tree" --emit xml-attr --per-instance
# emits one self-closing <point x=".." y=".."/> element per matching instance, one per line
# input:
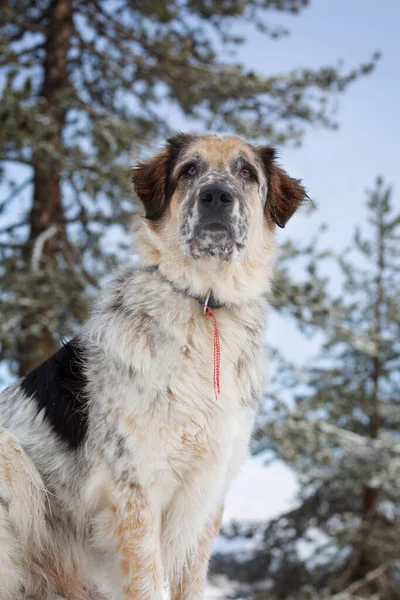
<point x="82" y="84"/>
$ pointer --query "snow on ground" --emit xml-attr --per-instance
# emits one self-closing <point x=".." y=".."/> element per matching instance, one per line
<point x="219" y="588"/>
<point x="259" y="493"/>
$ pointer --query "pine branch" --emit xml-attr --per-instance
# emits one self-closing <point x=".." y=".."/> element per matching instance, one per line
<point x="358" y="585"/>
<point x="15" y="57"/>
<point x="348" y="438"/>
<point x="15" y="192"/>
<point x="24" y="26"/>
<point x="13" y="227"/>
<point x="16" y="158"/>
<point x="11" y="245"/>
<point x="85" y="218"/>
<point x="38" y="246"/>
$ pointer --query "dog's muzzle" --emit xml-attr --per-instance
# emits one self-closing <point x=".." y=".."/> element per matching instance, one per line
<point x="213" y="222"/>
<point x="215" y="206"/>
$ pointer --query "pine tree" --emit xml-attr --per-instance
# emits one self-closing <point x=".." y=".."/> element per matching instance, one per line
<point x="82" y="83"/>
<point x="341" y="437"/>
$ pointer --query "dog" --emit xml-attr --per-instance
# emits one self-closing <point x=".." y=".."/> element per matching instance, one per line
<point x="117" y="452"/>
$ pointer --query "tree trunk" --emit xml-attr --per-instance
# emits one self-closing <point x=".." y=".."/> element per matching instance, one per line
<point x="47" y="208"/>
<point x="371" y="495"/>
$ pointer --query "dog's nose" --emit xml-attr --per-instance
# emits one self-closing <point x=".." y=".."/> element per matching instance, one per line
<point x="216" y="195"/>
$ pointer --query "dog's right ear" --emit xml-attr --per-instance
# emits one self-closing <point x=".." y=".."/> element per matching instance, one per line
<point x="149" y="179"/>
<point x="152" y="178"/>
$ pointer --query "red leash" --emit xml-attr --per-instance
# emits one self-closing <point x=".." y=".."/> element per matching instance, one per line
<point x="217" y="351"/>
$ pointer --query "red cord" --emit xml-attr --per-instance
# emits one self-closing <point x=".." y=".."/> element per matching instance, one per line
<point x="217" y="353"/>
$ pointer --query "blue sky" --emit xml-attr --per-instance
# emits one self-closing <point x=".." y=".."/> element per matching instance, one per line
<point x="337" y="167"/>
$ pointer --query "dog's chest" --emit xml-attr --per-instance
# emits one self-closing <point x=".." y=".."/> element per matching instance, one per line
<point x="167" y="419"/>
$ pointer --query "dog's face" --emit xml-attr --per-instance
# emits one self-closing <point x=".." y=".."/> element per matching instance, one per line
<point x="213" y="189"/>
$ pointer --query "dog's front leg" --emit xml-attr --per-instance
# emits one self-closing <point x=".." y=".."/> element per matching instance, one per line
<point x="190" y="583"/>
<point x="138" y="543"/>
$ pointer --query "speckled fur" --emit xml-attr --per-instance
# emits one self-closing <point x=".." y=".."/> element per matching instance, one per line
<point x="138" y="504"/>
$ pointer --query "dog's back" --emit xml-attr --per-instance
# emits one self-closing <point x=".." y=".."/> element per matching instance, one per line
<point x="47" y="412"/>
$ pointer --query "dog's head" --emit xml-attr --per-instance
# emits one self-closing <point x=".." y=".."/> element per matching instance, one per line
<point x="219" y="198"/>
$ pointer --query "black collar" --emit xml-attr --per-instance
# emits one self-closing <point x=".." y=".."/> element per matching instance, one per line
<point x="208" y="300"/>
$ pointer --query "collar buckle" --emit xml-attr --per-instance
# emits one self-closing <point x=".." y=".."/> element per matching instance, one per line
<point x="205" y="303"/>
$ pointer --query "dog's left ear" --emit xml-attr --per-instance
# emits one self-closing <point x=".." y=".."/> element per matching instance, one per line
<point x="152" y="178"/>
<point x="285" y="194"/>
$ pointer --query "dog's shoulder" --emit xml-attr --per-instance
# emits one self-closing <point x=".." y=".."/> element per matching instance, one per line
<point x="58" y="389"/>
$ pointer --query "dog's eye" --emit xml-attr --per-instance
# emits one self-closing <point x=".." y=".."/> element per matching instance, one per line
<point x="246" y="174"/>
<point x="191" y="170"/>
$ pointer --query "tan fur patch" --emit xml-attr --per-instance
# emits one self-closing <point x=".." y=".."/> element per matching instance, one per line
<point x="195" y="442"/>
<point x="136" y="534"/>
<point x="9" y="453"/>
<point x="219" y="151"/>
<point x="132" y="427"/>
<point x="69" y="582"/>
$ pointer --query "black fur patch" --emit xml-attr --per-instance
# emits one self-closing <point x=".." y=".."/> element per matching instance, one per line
<point x="58" y="386"/>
